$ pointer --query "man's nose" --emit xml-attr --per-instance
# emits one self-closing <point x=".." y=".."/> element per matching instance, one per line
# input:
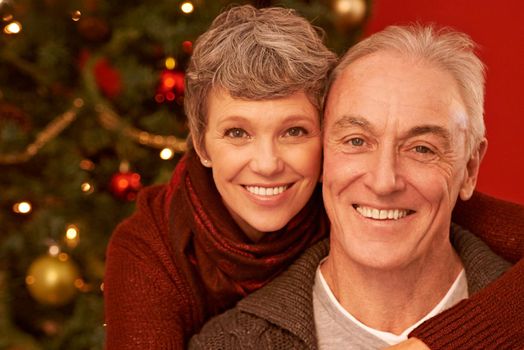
<point x="383" y="175"/>
<point x="266" y="160"/>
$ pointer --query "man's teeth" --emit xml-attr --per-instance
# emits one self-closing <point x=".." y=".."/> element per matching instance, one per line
<point x="266" y="191"/>
<point x="382" y="214"/>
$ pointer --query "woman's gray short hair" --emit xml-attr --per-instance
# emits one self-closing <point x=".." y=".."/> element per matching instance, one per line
<point x="255" y="54"/>
<point x="452" y="51"/>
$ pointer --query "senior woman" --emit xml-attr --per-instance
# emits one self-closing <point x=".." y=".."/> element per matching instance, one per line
<point x="244" y="203"/>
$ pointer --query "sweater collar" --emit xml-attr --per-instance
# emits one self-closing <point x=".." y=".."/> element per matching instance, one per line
<point x="288" y="300"/>
<point x="481" y="264"/>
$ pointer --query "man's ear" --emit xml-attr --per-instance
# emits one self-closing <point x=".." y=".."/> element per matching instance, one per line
<point x="472" y="171"/>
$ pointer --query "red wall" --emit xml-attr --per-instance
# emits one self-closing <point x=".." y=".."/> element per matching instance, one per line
<point x="498" y="27"/>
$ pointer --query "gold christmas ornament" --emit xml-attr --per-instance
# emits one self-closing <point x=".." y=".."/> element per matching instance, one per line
<point x="349" y="13"/>
<point x="51" y="279"/>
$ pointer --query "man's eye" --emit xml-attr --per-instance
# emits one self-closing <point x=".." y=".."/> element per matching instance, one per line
<point x="296" y="132"/>
<point x="423" y="149"/>
<point x="356" y="142"/>
<point x="235" y="133"/>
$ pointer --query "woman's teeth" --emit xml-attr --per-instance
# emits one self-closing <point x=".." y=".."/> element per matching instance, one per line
<point x="266" y="191"/>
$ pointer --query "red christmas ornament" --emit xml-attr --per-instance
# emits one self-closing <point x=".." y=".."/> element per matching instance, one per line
<point x="125" y="185"/>
<point x="107" y="77"/>
<point x="187" y="46"/>
<point x="171" y="86"/>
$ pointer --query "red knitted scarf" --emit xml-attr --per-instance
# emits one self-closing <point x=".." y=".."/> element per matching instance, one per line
<point x="221" y="263"/>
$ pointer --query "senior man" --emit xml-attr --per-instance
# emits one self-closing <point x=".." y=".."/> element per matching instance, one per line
<point x="403" y="139"/>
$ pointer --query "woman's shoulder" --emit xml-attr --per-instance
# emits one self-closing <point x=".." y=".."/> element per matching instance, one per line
<point x="147" y="226"/>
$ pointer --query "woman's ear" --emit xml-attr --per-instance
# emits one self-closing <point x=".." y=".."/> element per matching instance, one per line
<point x="202" y="154"/>
<point x="472" y="171"/>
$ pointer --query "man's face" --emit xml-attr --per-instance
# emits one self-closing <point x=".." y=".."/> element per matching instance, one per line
<point x="394" y="160"/>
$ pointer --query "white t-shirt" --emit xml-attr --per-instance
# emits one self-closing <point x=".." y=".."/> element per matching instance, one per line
<point x="338" y="329"/>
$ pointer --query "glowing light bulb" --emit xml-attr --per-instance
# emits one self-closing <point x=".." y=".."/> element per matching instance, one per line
<point x="170" y="63"/>
<point x="13" y="28"/>
<point x="187" y="7"/>
<point x="54" y="250"/>
<point x="75" y="16"/>
<point x="87" y="188"/>
<point x="22" y="207"/>
<point x="63" y="257"/>
<point x="169" y="83"/>
<point x="72" y="236"/>
<point x="166" y="153"/>
<point x="72" y="232"/>
<point x="78" y="102"/>
<point x="352" y="10"/>
<point x="79" y="283"/>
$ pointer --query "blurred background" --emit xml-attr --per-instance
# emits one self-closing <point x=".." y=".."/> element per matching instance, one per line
<point x="91" y="111"/>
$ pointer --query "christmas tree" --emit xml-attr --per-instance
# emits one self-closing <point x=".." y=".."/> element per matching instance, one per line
<point x="91" y="110"/>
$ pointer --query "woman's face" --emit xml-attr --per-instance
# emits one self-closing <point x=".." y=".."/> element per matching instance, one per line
<point x="265" y="157"/>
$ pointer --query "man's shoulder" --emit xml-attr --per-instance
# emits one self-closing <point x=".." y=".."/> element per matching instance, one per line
<point x="237" y="329"/>
<point x="234" y="329"/>
<point x="277" y="316"/>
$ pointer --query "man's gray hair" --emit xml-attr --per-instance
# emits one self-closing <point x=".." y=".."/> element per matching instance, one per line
<point x="452" y="51"/>
<point x="255" y="54"/>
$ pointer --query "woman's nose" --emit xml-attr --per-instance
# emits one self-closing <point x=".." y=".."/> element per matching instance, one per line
<point x="266" y="159"/>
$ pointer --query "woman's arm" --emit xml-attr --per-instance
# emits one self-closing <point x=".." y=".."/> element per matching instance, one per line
<point x="491" y="319"/>
<point x="144" y="306"/>
<point x="494" y="317"/>
<point x="497" y="222"/>
<point x="140" y="299"/>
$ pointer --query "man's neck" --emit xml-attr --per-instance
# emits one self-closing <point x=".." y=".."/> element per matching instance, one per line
<point x="391" y="300"/>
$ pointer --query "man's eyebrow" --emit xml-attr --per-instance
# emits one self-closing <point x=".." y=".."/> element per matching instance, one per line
<point x="351" y="121"/>
<point x="361" y="122"/>
<point x="430" y="129"/>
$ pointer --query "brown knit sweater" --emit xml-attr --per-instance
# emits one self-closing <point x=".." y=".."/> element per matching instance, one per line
<point x="280" y="315"/>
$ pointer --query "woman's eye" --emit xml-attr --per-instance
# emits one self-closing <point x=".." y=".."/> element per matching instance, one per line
<point x="296" y="132"/>
<point x="235" y="133"/>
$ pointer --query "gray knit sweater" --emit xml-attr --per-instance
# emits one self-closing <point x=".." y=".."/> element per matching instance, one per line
<point x="280" y="315"/>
